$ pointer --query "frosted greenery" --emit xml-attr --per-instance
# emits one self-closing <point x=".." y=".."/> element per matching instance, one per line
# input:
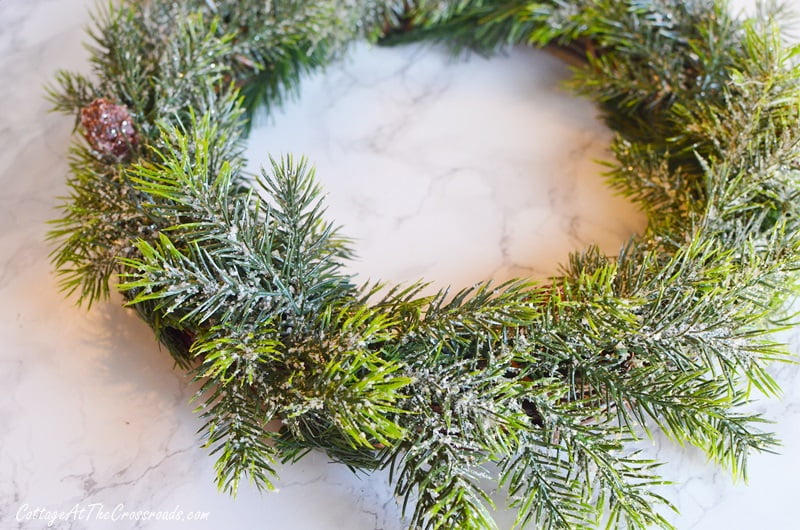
<point x="537" y="385"/>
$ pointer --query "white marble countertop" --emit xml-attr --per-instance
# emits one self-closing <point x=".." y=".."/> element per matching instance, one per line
<point x="455" y="171"/>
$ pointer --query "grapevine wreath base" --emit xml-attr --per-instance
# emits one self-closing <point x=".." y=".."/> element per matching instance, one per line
<point x="537" y="385"/>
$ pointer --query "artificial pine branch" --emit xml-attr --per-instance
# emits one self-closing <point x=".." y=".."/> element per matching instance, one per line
<point x="538" y="386"/>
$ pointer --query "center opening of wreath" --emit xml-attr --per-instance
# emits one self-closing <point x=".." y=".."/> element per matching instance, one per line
<point x="453" y="170"/>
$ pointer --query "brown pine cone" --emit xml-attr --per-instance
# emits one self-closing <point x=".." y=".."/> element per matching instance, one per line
<point x="109" y="129"/>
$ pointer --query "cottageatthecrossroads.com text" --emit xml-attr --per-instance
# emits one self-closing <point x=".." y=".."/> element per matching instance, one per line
<point x="97" y="511"/>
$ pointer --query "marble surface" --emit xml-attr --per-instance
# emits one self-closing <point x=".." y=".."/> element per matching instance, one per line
<point x="454" y="171"/>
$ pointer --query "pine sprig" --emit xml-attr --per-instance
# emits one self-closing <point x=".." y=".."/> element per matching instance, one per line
<point x="86" y="255"/>
<point x="236" y="404"/>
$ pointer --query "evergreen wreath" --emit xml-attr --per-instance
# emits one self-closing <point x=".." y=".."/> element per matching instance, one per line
<point x="538" y="385"/>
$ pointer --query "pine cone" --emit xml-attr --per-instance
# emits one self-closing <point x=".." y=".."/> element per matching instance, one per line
<point x="109" y="129"/>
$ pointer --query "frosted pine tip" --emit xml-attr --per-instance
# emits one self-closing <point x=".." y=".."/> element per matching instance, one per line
<point x="109" y="129"/>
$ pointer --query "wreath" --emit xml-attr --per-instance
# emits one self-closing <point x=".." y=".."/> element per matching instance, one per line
<point x="539" y="386"/>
